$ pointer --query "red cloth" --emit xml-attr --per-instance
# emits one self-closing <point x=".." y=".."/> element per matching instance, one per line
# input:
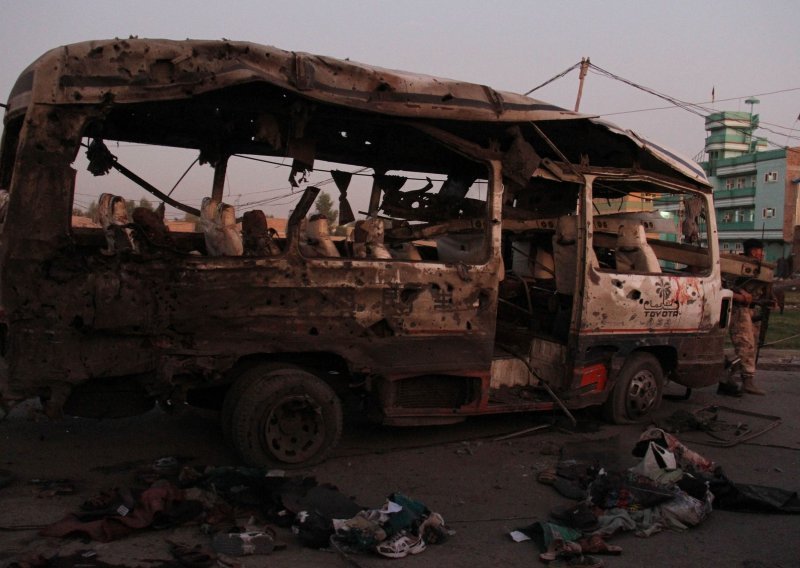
<point x="153" y="501"/>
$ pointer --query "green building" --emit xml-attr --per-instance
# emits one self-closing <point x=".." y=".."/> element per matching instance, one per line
<point x="755" y="188"/>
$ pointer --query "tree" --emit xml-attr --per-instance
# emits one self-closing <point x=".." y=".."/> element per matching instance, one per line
<point x="130" y="205"/>
<point x="91" y="212"/>
<point x="325" y="207"/>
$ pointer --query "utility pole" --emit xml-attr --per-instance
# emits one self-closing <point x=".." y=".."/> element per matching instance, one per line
<point x="584" y="68"/>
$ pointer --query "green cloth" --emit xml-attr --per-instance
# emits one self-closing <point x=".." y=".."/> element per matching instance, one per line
<point x="543" y="533"/>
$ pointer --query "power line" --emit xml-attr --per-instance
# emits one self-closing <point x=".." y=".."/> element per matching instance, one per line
<point x="704" y="103"/>
<point x="553" y="78"/>
<point x="690" y="107"/>
<point x="695" y="108"/>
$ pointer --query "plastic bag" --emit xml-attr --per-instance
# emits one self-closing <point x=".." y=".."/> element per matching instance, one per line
<point x="655" y="460"/>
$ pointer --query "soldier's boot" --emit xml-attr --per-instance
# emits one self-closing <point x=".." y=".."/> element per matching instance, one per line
<point x="749" y="386"/>
<point x="730" y="387"/>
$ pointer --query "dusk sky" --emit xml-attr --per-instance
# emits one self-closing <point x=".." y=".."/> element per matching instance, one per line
<point x="679" y="48"/>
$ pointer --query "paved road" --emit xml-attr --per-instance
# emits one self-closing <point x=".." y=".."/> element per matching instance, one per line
<point x="483" y="488"/>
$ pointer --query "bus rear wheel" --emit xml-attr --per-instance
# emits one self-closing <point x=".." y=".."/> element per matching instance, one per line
<point x="287" y="418"/>
<point x="637" y="392"/>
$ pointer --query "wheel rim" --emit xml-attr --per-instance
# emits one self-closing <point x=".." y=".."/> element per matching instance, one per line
<point x="293" y="429"/>
<point x="642" y="394"/>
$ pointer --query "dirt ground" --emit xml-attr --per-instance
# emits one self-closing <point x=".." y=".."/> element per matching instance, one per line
<point x="483" y="487"/>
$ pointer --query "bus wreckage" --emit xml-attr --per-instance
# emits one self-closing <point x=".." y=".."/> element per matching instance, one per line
<point x="511" y="255"/>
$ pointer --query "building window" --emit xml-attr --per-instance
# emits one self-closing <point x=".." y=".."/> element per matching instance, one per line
<point x="771" y="176"/>
<point x="741" y="215"/>
<point x="768" y="212"/>
<point x="729" y="183"/>
<point x="740" y="181"/>
<point x="752" y="181"/>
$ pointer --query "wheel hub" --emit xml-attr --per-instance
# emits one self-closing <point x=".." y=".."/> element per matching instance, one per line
<point x="294" y="429"/>
<point x="642" y="394"/>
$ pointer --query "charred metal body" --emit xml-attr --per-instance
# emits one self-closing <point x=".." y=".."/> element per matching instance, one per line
<point x="549" y="249"/>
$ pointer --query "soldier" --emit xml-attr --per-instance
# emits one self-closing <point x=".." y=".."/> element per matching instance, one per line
<point x="745" y="325"/>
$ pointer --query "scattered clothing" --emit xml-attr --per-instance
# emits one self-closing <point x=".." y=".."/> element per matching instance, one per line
<point x="401" y="527"/>
<point x="153" y="503"/>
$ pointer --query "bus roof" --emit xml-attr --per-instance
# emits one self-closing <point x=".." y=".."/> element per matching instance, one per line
<point x="134" y="70"/>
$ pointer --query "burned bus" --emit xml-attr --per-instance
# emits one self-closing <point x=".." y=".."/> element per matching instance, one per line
<point x="493" y="253"/>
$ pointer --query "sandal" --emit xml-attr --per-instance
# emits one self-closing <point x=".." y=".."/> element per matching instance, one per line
<point x="400" y="545"/>
<point x="596" y="545"/>
<point x="547" y="476"/>
<point x="560" y="548"/>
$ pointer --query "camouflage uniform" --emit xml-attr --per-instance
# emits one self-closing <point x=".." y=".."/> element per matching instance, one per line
<point x="744" y="336"/>
<point x="745" y="332"/>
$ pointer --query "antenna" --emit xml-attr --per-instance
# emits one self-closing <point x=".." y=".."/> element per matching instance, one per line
<point x="752" y="101"/>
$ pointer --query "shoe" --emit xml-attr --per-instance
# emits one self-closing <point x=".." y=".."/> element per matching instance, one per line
<point x="561" y="549"/>
<point x="433" y="530"/>
<point x="401" y="545"/>
<point x="729" y="388"/>
<point x="749" y="386"/>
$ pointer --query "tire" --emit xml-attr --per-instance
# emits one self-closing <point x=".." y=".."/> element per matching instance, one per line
<point x="288" y="419"/>
<point x="239" y="385"/>
<point x="637" y="391"/>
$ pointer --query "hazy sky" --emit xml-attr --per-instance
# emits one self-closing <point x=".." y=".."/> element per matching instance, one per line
<point x="680" y="48"/>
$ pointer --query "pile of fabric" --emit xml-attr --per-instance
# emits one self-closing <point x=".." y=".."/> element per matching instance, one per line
<point x="239" y="508"/>
<point x="671" y="487"/>
<point x="667" y="489"/>
<point x="402" y="526"/>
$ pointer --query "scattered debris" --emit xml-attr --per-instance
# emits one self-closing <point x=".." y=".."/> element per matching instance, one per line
<point x="671" y="487"/>
<point x="401" y="527"/>
<point x="522" y="432"/>
<point x="47" y="488"/>
<point x="216" y="498"/>
<point x="722" y="426"/>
